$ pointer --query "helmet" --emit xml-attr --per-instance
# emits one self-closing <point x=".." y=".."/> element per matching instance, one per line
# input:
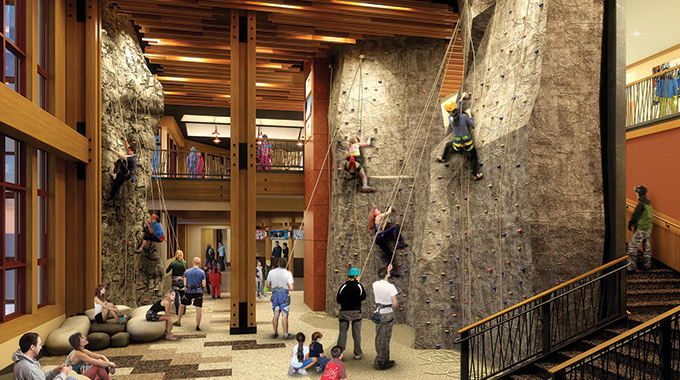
<point x="353" y="272"/>
<point x="641" y="190"/>
<point x="154" y="217"/>
<point x="450" y="105"/>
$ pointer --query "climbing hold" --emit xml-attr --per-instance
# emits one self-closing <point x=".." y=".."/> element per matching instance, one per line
<point x="443" y="274"/>
<point x="379" y="80"/>
<point x="498" y="166"/>
<point x="493" y="287"/>
<point x="519" y="282"/>
<point x="424" y="91"/>
<point x="524" y="36"/>
<point x="424" y="276"/>
<point x="501" y="50"/>
<point x="486" y="211"/>
<point x="502" y="145"/>
<point x="516" y="204"/>
<point x="454" y="315"/>
<point x="478" y="276"/>
<point x="522" y="269"/>
<point x="482" y="84"/>
<point x="448" y="235"/>
<point x="519" y="248"/>
<point x="524" y="296"/>
<point x="427" y="301"/>
<point x="509" y="292"/>
<point x="490" y="269"/>
<point x="445" y="260"/>
<point x="439" y="177"/>
<point x="453" y="297"/>
<point x="336" y="271"/>
<point x="510" y="11"/>
<point x="536" y="51"/>
<point x="503" y="234"/>
<point x="490" y="185"/>
<point x="495" y="198"/>
<point x="502" y="75"/>
<point x="500" y="118"/>
<point x="429" y="252"/>
<point x="519" y="230"/>
<point x="436" y="290"/>
<point x="438" y="220"/>
<point x="447" y="331"/>
<point x="517" y="165"/>
<point x="428" y="323"/>
<point x="410" y="203"/>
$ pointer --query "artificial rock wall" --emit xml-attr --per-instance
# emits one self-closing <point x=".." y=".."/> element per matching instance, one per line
<point x="536" y="219"/>
<point x="132" y="106"/>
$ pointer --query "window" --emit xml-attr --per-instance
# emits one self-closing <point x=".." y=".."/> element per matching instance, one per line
<point x="12" y="40"/>
<point x="42" y="229"/>
<point x="43" y="74"/>
<point x="13" y="258"/>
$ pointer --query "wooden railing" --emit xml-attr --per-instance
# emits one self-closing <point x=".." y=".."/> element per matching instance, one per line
<point x="653" y="97"/>
<point x="649" y="351"/>
<point x="541" y="325"/>
<point x="279" y="155"/>
<point x="190" y="164"/>
<point x="665" y="238"/>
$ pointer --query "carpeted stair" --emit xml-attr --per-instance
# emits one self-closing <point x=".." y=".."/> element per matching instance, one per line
<point x="650" y="293"/>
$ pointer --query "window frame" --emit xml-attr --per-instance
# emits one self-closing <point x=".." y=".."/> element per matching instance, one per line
<point x="43" y="193"/>
<point x="17" y="48"/>
<point x="43" y="44"/>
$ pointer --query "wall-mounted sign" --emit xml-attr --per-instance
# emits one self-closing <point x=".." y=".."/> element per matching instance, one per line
<point x="260" y="234"/>
<point x="278" y="234"/>
<point x="308" y="85"/>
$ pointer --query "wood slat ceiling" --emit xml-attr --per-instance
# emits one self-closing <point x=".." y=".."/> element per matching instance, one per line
<point x="189" y="39"/>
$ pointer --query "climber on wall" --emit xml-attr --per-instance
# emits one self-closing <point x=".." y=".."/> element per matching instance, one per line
<point x="383" y="233"/>
<point x="123" y="169"/>
<point x="462" y="138"/>
<point x="354" y="163"/>
<point x="641" y="223"/>
<point x="153" y="232"/>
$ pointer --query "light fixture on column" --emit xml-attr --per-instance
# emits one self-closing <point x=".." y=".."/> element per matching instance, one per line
<point x="216" y="134"/>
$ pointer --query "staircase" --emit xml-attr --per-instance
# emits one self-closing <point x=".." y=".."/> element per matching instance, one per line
<point x="649" y="294"/>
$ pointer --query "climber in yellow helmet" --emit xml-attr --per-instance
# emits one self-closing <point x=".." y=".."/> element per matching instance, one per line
<point x="462" y="138"/>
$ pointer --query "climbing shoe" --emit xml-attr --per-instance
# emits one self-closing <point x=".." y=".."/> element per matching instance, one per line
<point x="401" y="245"/>
<point x="367" y="189"/>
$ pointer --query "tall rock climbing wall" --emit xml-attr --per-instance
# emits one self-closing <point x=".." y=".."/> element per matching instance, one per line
<point x="536" y="219"/>
<point x="132" y="106"/>
<point x="380" y="89"/>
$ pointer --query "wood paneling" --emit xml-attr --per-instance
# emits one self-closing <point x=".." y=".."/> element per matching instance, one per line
<point x="665" y="238"/>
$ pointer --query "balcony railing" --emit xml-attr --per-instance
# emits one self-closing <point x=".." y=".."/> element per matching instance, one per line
<point x="271" y="155"/>
<point x="653" y="97"/>
<point x="543" y="324"/>
<point x="649" y="351"/>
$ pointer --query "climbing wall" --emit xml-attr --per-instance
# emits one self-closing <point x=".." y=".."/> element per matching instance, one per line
<point x="379" y="88"/>
<point x="536" y="219"/>
<point x="132" y="106"/>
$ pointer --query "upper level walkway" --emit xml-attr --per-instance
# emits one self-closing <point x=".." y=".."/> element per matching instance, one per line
<point x="653" y="99"/>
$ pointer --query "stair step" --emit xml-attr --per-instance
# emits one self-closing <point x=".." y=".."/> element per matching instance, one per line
<point x="653" y="301"/>
<point x="652" y="274"/>
<point x="667" y="291"/>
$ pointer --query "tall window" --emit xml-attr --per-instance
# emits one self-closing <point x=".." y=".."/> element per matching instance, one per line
<point x="42" y="273"/>
<point x="12" y="38"/>
<point x="13" y="259"/>
<point x="43" y="7"/>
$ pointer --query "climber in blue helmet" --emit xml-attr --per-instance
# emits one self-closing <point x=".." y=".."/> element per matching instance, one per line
<point x="350" y="296"/>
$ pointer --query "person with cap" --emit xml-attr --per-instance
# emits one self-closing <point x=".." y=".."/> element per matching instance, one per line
<point x="153" y="232"/>
<point x="354" y="163"/>
<point x="192" y="163"/>
<point x="350" y="295"/>
<point x="462" y="142"/>
<point x="641" y="223"/>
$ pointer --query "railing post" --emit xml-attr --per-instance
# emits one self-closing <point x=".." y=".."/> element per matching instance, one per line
<point x="545" y="316"/>
<point x="665" y="348"/>
<point x="464" y="356"/>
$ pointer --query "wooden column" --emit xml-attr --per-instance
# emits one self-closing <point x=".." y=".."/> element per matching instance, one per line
<point x="243" y="184"/>
<point x="316" y="220"/>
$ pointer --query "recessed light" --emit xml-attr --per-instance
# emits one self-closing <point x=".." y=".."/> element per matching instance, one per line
<point x="635" y="34"/>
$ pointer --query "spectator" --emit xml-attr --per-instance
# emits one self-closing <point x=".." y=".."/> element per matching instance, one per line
<point x="216" y="281"/>
<point x="87" y="363"/>
<point x="285" y="251"/>
<point x="27" y="367"/>
<point x="300" y="359"/>
<point x="200" y="164"/>
<point x="194" y="281"/>
<point x="264" y="151"/>
<point x="209" y="256"/>
<point x="104" y="310"/>
<point x="163" y="305"/>
<point x="280" y="281"/>
<point x="265" y="274"/>
<point x="316" y="352"/>
<point x="222" y="256"/>
<point x="350" y="295"/>
<point x="178" y="267"/>
<point x="192" y="163"/>
<point x="385" y="302"/>
<point x="276" y="253"/>
<point x="335" y="369"/>
<point x="259" y="279"/>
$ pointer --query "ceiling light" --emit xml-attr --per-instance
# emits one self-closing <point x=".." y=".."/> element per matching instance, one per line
<point x="369" y="5"/>
<point x="635" y="34"/>
<point x="273" y="5"/>
<point x="186" y="59"/>
<point x="216" y="134"/>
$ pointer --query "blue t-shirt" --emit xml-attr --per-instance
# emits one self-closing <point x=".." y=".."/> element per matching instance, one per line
<point x="194" y="276"/>
<point x="157" y="229"/>
<point x="316" y="351"/>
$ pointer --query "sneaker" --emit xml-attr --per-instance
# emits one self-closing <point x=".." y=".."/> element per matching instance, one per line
<point x="367" y="189"/>
<point x="394" y="274"/>
<point x="289" y="336"/>
<point x="303" y="372"/>
<point x="177" y="324"/>
<point x="274" y="336"/>
<point x="357" y="357"/>
<point x="291" y="371"/>
<point x="170" y="337"/>
<point x="401" y="245"/>
<point x="198" y="328"/>
<point x="318" y="369"/>
<point x="122" y="319"/>
<point x="389" y="364"/>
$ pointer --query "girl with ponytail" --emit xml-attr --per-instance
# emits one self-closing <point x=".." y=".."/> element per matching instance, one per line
<point x="300" y="360"/>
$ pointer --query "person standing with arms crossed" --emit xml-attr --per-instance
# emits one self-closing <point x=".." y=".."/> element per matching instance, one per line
<point x="350" y="295"/>
<point x="385" y="302"/>
<point x="194" y="282"/>
<point x="280" y="281"/>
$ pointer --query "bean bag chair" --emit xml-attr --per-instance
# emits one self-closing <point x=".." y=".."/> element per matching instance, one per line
<point x="98" y="341"/>
<point x="122" y="339"/>
<point x="141" y="330"/>
<point x="57" y="342"/>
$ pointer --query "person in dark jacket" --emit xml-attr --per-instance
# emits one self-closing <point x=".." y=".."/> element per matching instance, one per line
<point x="641" y="223"/>
<point x="350" y="295"/>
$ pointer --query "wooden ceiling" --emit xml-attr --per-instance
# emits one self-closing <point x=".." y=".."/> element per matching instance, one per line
<point x="189" y="39"/>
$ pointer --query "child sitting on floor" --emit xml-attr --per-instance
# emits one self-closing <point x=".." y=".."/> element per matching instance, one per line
<point x="335" y="369"/>
<point x="316" y="352"/>
<point x="300" y="359"/>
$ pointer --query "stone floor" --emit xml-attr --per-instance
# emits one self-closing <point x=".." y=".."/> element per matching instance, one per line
<point x="214" y="353"/>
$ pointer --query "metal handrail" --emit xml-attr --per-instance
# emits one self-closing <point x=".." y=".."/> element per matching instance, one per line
<point x="662" y="332"/>
<point x="544" y="323"/>
<point x="653" y="97"/>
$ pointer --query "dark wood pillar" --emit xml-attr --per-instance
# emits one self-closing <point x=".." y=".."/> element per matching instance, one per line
<point x="243" y="185"/>
<point x="316" y="164"/>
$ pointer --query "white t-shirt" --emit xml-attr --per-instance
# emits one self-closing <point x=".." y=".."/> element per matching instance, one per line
<point x="280" y="278"/>
<point x="294" y="360"/>
<point x="383" y="292"/>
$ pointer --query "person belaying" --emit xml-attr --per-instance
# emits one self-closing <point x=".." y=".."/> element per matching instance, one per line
<point x="350" y="295"/>
<point x="354" y="163"/>
<point x="461" y="123"/>
<point x="123" y="169"/>
<point x="153" y="232"/>
<point x="383" y="233"/>
<point x="641" y="223"/>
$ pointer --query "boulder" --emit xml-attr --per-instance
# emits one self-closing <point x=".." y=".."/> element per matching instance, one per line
<point x="141" y="330"/>
<point x="57" y="342"/>
<point x="98" y="341"/>
<point x="110" y="327"/>
<point x="121" y="339"/>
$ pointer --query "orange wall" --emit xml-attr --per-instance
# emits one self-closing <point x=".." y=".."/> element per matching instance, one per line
<point x="653" y="160"/>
